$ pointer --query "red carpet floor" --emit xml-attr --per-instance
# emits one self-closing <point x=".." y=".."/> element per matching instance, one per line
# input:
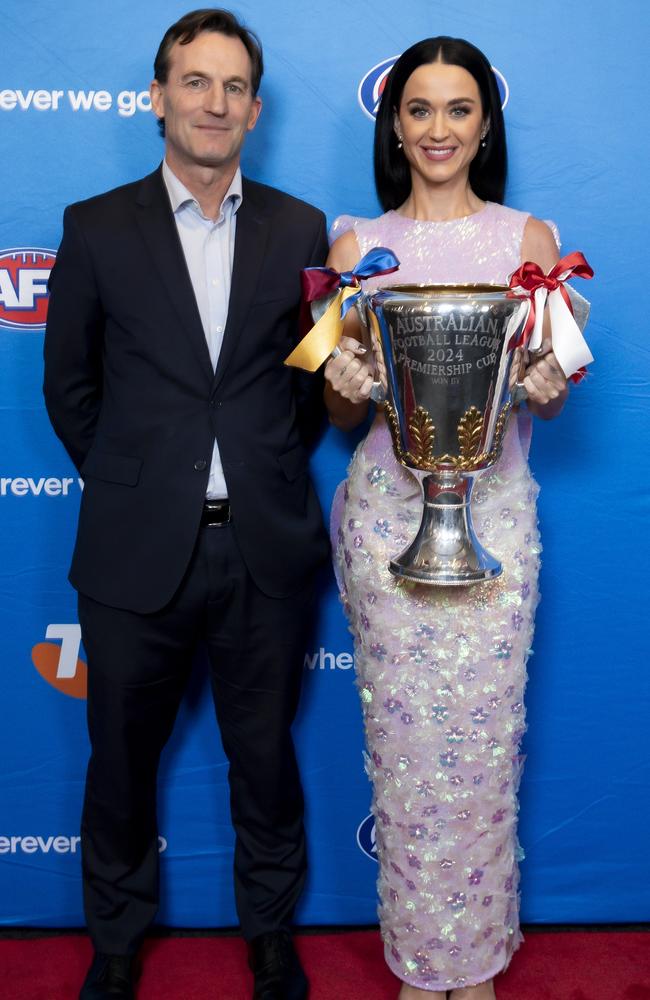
<point x="573" y="965"/>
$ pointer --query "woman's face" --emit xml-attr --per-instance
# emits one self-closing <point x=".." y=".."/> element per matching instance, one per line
<point x="440" y="121"/>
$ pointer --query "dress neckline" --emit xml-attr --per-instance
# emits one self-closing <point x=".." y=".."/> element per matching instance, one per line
<point x="442" y="222"/>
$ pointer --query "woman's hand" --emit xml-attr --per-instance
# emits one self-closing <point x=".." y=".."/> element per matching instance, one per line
<point x="349" y="374"/>
<point x="546" y="385"/>
<point x="543" y="378"/>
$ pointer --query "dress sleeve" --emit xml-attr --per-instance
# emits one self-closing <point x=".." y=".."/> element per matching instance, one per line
<point x="343" y="224"/>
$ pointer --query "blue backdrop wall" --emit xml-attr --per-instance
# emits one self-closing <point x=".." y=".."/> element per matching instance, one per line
<point x="74" y="120"/>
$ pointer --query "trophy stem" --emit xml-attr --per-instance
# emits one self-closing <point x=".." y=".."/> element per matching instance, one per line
<point x="446" y="551"/>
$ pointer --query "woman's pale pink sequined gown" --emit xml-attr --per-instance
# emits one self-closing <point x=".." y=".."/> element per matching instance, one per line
<point x="441" y="671"/>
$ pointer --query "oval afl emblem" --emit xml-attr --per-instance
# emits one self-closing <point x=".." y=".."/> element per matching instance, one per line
<point x="372" y="86"/>
<point x="366" y="837"/>
<point x="24" y="273"/>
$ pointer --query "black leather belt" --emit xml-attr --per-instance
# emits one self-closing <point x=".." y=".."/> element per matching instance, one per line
<point x="216" y="513"/>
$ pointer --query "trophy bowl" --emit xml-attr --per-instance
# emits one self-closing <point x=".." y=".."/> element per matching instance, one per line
<point x="448" y="352"/>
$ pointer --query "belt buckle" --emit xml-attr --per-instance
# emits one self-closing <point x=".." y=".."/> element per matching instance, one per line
<point x="221" y="507"/>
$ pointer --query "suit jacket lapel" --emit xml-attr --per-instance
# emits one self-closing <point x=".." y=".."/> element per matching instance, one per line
<point x="251" y="236"/>
<point x="156" y="223"/>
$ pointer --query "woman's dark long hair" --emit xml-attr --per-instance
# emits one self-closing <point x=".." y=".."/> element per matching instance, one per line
<point x="487" y="172"/>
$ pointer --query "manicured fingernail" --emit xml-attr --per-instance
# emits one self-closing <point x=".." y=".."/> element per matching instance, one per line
<point x="360" y="349"/>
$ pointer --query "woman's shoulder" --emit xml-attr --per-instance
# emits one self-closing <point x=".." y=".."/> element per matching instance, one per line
<point x="542" y="233"/>
<point x="540" y="242"/>
<point x="344" y="250"/>
<point x="527" y="226"/>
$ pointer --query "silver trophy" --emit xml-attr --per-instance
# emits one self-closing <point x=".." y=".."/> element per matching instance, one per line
<point x="448" y="352"/>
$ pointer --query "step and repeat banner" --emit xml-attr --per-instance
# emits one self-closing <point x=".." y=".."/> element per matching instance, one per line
<point x="75" y="120"/>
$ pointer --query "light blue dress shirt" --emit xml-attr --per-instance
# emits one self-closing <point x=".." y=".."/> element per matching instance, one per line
<point x="209" y="246"/>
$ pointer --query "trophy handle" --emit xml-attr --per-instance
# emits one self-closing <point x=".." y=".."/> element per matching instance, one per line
<point x="378" y="393"/>
<point x="518" y="394"/>
<point x="319" y="307"/>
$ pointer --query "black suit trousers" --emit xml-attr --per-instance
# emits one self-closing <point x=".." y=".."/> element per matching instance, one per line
<point x="138" y="666"/>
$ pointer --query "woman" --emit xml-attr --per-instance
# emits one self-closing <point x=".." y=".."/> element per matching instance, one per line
<point x="441" y="671"/>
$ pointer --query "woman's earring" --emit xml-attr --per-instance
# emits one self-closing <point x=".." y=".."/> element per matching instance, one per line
<point x="483" y="140"/>
<point x="400" y="140"/>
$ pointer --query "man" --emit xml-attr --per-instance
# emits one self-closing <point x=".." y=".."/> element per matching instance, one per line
<point x="173" y="303"/>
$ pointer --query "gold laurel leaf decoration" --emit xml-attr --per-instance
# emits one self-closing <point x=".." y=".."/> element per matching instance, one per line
<point x="475" y="462"/>
<point x="498" y="432"/>
<point x="422" y="434"/>
<point x="393" y="425"/>
<point x="470" y="429"/>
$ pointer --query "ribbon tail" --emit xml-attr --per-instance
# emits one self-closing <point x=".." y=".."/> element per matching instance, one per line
<point x="569" y="346"/>
<point x="537" y="335"/>
<point x="323" y="337"/>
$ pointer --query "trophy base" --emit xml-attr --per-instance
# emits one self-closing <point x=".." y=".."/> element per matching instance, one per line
<point x="446" y="551"/>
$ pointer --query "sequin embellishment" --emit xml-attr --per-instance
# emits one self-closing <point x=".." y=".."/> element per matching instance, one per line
<point x="442" y="672"/>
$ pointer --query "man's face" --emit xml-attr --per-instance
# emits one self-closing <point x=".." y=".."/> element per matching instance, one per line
<point x="207" y="101"/>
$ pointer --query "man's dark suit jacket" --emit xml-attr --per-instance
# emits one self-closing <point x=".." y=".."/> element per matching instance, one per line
<point x="131" y="392"/>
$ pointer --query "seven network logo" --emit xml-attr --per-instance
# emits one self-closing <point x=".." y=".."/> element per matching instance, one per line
<point x="59" y="664"/>
<point x="372" y="86"/>
<point x="24" y="273"/>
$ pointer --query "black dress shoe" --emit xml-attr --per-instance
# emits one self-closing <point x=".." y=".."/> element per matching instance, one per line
<point x="276" y="967"/>
<point x="110" y="976"/>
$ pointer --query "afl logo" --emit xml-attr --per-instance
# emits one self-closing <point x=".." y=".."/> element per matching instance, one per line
<point x="24" y="273"/>
<point x="366" y="837"/>
<point x="372" y="86"/>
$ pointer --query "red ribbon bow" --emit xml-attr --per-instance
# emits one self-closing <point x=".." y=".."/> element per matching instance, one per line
<point x="317" y="282"/>
<point x="530" y="277"/>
